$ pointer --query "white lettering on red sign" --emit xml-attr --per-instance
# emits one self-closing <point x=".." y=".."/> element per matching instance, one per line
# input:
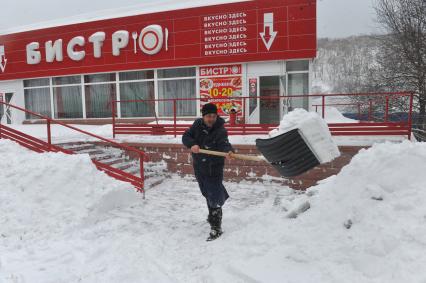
<point x="220" y="70"/>
<point x="150" y="41"/>
<point x="225" y="34"/>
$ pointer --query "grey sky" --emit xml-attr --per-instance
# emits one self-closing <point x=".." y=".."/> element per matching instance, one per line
<point x="336" y="18"/>
<point x="340" y="18"/>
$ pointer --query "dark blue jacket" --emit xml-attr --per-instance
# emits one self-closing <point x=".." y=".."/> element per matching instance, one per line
<point x="214" y="138"/>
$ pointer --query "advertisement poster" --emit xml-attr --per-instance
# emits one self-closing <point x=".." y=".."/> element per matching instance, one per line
<point x="253" y="93"/>
<point x="224" y="92"/>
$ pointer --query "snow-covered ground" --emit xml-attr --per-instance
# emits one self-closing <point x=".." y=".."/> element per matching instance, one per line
<point x="72" y="223"/>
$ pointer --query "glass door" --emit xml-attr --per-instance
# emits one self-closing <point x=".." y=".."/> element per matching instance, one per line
<point x="298" y="84"/>
<point x="270" y="87"/>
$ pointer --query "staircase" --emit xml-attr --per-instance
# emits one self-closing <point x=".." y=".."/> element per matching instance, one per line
<point x="107" y="155"/>
<point x="154" y="172"/>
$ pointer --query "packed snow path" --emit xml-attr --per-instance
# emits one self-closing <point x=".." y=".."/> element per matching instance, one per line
<point x="72" y="223"/>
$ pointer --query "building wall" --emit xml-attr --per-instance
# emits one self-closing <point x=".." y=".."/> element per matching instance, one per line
<point x="248" y="72"/>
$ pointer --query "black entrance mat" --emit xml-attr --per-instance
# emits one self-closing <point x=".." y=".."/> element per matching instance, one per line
<point x="288" y="153"/>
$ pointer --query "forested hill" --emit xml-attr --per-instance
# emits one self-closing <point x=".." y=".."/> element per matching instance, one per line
<point x="345" y="64"/>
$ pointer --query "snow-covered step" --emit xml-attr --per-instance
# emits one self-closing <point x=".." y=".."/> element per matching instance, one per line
<point x="104" y="156"/>
<point x="134" y="170"/>
<point x="91" y="151"/>
<point x="123" y="165"/>
<point x="154" y="181"/>
<point x="112" y="161"/>
<point x="77" y="147"/>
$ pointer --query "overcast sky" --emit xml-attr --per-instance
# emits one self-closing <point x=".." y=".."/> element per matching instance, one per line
<point x="336" y="18"/>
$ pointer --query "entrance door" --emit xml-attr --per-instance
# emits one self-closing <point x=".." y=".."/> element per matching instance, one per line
<point x="298" y="84"/>
<point x="270" y="108"/>
<point x="8" y="98"/>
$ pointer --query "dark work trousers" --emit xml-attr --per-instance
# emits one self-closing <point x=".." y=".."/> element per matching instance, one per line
<point x="212" y="189"/>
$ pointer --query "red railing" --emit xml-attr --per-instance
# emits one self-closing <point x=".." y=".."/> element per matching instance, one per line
<point x="39" y="145"/>
<point x="371" y="126"/>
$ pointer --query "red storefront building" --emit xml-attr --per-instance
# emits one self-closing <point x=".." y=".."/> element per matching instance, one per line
<point x="220" y="52"/>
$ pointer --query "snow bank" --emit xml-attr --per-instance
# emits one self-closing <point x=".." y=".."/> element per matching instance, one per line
<point x="367" y="224"/>
<point x="43" y="197"/>
<point x="333" y="115"/>
<point x="74" y="224"/>
<point x="314" y="130"/>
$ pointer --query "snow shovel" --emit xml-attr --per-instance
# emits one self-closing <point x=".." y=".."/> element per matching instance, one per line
<point x="288" y="153"/>
<point x="234" y="155"/>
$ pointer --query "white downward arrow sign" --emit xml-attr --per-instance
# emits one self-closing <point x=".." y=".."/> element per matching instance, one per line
<point x="268" y="21"/>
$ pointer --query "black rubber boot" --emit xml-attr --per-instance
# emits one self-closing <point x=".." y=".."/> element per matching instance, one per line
<point x="210" y="216"/>
<point x="215" y="224"/>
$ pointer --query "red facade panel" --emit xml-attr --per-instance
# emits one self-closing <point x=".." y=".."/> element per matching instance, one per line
<point x="237" y="32"/>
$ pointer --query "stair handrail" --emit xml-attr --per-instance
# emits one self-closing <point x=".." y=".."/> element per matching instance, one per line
<point x="54" y="121"/>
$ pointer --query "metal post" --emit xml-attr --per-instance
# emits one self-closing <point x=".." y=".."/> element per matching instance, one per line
<point x="244" y="111"/>
<point x="387" y="109"/>
<point x="410" y="116"/>
<point x="359" y="111"/>
<point x="323" y="106"/>
<point x="49" y="137"/>
<point x="141" y="160"/>
<point x="113" y="119"/>
<point x="174" y="116"/>
<point x="370" y="109"/>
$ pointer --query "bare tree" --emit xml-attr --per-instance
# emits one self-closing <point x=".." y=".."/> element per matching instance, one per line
<point x="402" y="56"/>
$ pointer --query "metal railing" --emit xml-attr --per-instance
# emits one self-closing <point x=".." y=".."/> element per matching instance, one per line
<point x="375" y="111"/>
<point x="42" y="146"/>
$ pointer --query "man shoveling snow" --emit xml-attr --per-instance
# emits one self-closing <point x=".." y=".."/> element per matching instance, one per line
<point x="209" y="133"/>
<point x="301" y="142"/>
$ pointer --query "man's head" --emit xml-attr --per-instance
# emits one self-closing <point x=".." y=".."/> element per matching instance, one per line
<point x="209" y="112"/>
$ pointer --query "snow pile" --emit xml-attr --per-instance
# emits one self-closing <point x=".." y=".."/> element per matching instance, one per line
<point x="313" y="129"/>
<point x="333" y="115"/>
<point x="367" y="224"/>
<point x="74" y="224"/>
<point x="43" y="197"/>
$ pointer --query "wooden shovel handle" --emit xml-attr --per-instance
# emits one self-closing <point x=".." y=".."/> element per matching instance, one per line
<point x="234" y="155"/>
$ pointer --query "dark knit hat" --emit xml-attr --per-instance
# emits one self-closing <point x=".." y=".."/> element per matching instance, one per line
<point x="209" y="108"/>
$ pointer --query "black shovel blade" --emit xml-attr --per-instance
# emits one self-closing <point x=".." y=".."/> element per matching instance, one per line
<point x="288" y="153"/>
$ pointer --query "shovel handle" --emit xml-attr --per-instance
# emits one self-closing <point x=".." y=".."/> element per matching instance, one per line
<point x="234" y="155"/>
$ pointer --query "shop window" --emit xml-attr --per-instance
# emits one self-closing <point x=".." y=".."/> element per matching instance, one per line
<point x="67" y="102"/>
<point x="136" y="76"/>
<point x="297" y="66"/>
<point x="36" y="82"/>
<point x="99" y="78"/>
<point x="137" y="91"/>
<point x="298" y="84"/>
<point x="70" y="80"/>
<point x="98" y="100"/>
<point x="177" y="89"/>
<point x="176" y="73"/>
<point x="37" y="100"/>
